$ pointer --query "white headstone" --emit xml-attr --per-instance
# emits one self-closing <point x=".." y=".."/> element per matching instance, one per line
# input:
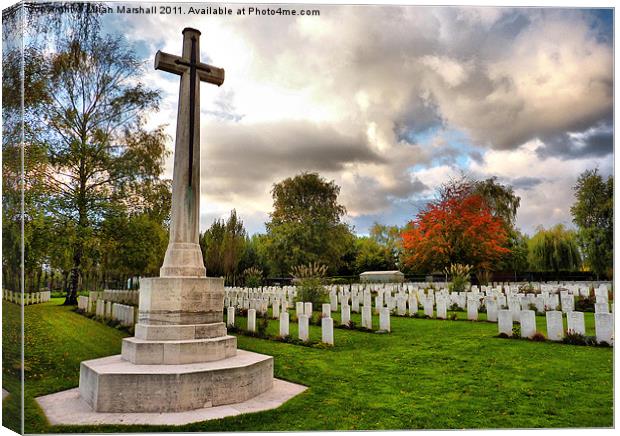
<point x="555" y="325"/>
<point x="504" y="321"/>
<point x="528" y="323"/>
<point x="299" y="308"/>
<point x="413" y="304"/>
<point x="379" y="299"/>
<point x="491" y="306"/>
<point x="602" y="299"/>
<point x="327" y="330"/>
<point x="401" y="305"/>
<point x="252" y="320"/>
<point x="303" y="327"/>
<point x="308" y="309"/>
<point x="601" y="308"/>
<point x="345" y="314"/>
<point x="355" y="303"/>
<point x="442" y="308"/>
<point x="333" y="301"/>
<point x="230" y="319"/>
<point x="428" y="306"/>
<point x="384" y="319"/>
<point x="568" y="303"/>
<point x="472" y="309"/>
<point x="284" y="331"/>
<point x="326" y="310"/>
<point x="576" y="322"/>
<point x="501" y="301"/>
<point x="604" y="326"/>
<point x="367" y="298"/>
<point x="275" y="309"/>
<point x="367" y="317"/>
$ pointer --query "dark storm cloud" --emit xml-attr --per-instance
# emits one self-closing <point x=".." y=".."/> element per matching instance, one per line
<point x="525" y="182"/>
<point x="245" y="159"/>
<point x="597" y="142"/>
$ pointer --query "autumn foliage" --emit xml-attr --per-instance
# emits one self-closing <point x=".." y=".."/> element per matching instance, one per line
<point x="457" y="229"/>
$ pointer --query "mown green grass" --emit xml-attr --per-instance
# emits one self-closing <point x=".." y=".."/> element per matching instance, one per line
<point x="426" y="374"/>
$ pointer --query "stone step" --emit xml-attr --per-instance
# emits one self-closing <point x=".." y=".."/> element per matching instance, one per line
<point x="141" y="352"/>
<point x="111" y="384"/>
<point x="150" y="332"/>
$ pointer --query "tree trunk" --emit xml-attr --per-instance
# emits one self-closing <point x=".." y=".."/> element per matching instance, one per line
<point x="39" y="278"/>
<point x="71" y="299"/>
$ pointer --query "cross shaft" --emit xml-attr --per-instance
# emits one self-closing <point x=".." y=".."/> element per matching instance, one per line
<point x="183" y="256"/>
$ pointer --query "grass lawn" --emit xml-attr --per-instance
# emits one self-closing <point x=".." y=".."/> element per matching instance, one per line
<point x="426" y="374"/>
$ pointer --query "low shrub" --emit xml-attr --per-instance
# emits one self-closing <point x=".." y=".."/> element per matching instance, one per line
<point x="253" y="277"/>
<point x="310" y="280"/>
<point x="459" y="275"/>
<point x="353" y="326"/>
<point x="538" y="337"/>
<point x="315" y="319"/>
<point x="585" y="304"/>
<point x="527" y="288"/>
<point x="574" y="338"/>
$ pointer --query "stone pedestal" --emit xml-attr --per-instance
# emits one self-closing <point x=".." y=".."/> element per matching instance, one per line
<point x="181" y="357"/>
<point x="112" y="384"/>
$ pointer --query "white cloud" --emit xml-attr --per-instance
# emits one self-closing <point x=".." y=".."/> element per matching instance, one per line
<point x="348" y="94"/>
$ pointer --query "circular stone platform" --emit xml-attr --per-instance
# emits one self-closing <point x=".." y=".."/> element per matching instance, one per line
<point x="112" y="384"/>
<point x="68" y="408"/>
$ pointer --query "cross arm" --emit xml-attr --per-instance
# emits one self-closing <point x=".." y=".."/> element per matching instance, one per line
<point x="177" y="65"/>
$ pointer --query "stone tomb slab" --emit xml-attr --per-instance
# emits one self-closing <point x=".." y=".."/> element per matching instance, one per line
<point x="68" y="408"/>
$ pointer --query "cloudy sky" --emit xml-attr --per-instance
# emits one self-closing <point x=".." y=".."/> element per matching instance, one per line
<point x="390" y="102"/>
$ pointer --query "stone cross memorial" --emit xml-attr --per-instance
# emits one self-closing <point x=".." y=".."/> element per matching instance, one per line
<point x="181" y="357"/>
<point x="183" y="256"/>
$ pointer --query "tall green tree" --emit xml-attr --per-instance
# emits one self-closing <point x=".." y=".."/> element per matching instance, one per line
<point x="99" y="153"/>
<point x="388" y="237"/>
<point x="500" y="199"/>
<point x="211" y="244"/>
<point x="223" y="246"/>
<point x="372" y="256"/>
<point x="306" y="224"/>
<point x="593" y="213"/>
<point x="517" y="260"/>
<point x="554" y="250"/>
<point x="132" y="245"/>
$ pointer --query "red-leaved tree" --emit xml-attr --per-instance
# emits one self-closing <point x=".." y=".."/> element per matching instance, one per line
<point x="457" y="229"/>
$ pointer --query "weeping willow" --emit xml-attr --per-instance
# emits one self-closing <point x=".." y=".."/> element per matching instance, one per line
<point x="554" y="249"/>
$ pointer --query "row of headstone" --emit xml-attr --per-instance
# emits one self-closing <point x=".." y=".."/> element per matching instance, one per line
<point x="128" y="297"/>
<point x="124" y="313"/>
<point x="304" y="313"/>
<point x="82" y="302"/>
<point x="403" y="298"/>
<point x="120" y="312"/>
<point x="603" y="324"/>
<point x="29" y="297"/>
